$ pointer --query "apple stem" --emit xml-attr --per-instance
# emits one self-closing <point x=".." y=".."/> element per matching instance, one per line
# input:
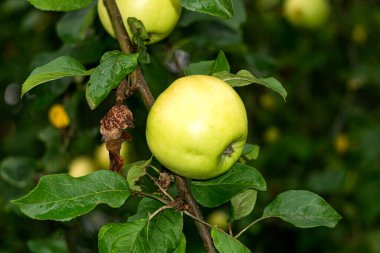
<point x="138" y="81"/>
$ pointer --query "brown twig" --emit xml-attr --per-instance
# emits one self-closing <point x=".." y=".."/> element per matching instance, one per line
<point x="139" y="82"/>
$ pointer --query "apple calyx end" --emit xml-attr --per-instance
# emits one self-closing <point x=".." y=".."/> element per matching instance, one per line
<point x="228" y="151"/>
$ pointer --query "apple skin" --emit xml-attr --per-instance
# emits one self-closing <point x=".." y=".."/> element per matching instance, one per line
<point x="158" y="16"/>
<point x="197" y="127"/>
<point x="306" y="13"/>
<point x="81" y="166"/>
<point x="218" y="218"/>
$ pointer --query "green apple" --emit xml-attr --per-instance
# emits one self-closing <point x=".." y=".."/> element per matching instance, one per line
<point x="158" y="16"/>
<point x="218" y="218"/>
<point x="306" y="13"/>
<point x="197" y="127"/>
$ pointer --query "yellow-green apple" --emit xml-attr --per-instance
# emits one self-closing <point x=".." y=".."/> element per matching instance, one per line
<point x="218" y="218"/>
<point x="81" y="166"/>
<point x="197" y="127"/>
<point x="158" y="16"/>
<point x="306" y="13"/>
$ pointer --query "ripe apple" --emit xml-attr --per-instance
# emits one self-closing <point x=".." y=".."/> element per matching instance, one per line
<point x="58" y="116"/>
<point x="197" y="127"/>
<point x="81" y="166"/>
<point x="306" y="13"/>
<point x="158" y="16"/>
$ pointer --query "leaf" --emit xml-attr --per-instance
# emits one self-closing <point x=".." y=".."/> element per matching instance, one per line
<point x="250" y="151"/>
<point x="58" y="5"/>
<point x="74" y="25"/>
<point x="243" y="204"/>
<point x="48" y="245"/>
<point x="113" y="68"/>
<point x="135" y="172"/>
<point x="221" y="189"/>
<point x="303" y="209"/>
<point x="17" y="171"/>
<point x="146" y="206"/>
<point x="199" y="68"/>
<point x="244" y="77"/>
<point x="220" y="64"/>
<point x="63" y="66"/>
<point x="140" y="35"/>
<point x="181" y="247"/>
<point x="62" y="197"/>
<point x="227" y="244"/>
<point x="219" y="8"/>
<point x="161" y="234"/>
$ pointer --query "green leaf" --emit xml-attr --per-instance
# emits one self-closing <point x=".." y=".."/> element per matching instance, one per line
<point x="219" y="8"/>
<point x="303" y="209"/>
<point x="160" y="234"/>
<point x="113" y="68"/>
<point x="62" y="197"/>
<point x="17" y="171"/>
<point x="123" y="237"/>
<point x="250" y="151"/>
<point x="181" y="247"/>
<point x="220" y="64"/>
<point x="135" y="171"/>
<point x="221" y="189"/>
<point x="227" y="244"/>
<point x="243" y="204"/>
<point x="59" y="5"/>
<point x="140" y="35"/>
<point x="63" y="66"/>
<point x="244" y="77"/>
<point x="48" y="245"/>
<point x="199" y="68"/>
<point x="74" y="25"/>
<point x="146" y="206"/>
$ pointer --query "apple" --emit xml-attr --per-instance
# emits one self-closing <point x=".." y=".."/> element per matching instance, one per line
<point x="58" y="116"/>
<point x="218" y="218"/>
<point x="81" y="166"/>
<point x="306" y="13"/>
<point x="158" y="16"/>
<point x="197" y="127"/>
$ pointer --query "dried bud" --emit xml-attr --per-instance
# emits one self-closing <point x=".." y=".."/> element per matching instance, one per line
<point x="118" y="118"/>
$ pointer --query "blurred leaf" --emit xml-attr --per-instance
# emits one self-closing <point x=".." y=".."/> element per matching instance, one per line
<point x="113" y="68"/>
<point x="140" y="35"/>
<point x="54" y="5"/>
<point x="303" y="209"/>
<point x="74" y="25"/>
<point x="327" y="181"/>
<point x="219" y="8"/>
<point x="250" y="151"/>
<point x="63" y="66"/>
<point x="48" y="245"/>
<point x="243" y="204"/>
<point x="62" y="197"/>
<point x="243" y="78"/>
<point x="221" y="189"/>
<point x="135" y="171"/>
<point x="17" y="171"/>
<point x="160" y="234"/>
<point x="227" y="244"/>
<point x="181" y="247"/>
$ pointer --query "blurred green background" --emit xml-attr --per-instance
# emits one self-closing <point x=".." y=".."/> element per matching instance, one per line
<point x="325" y="138"/>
